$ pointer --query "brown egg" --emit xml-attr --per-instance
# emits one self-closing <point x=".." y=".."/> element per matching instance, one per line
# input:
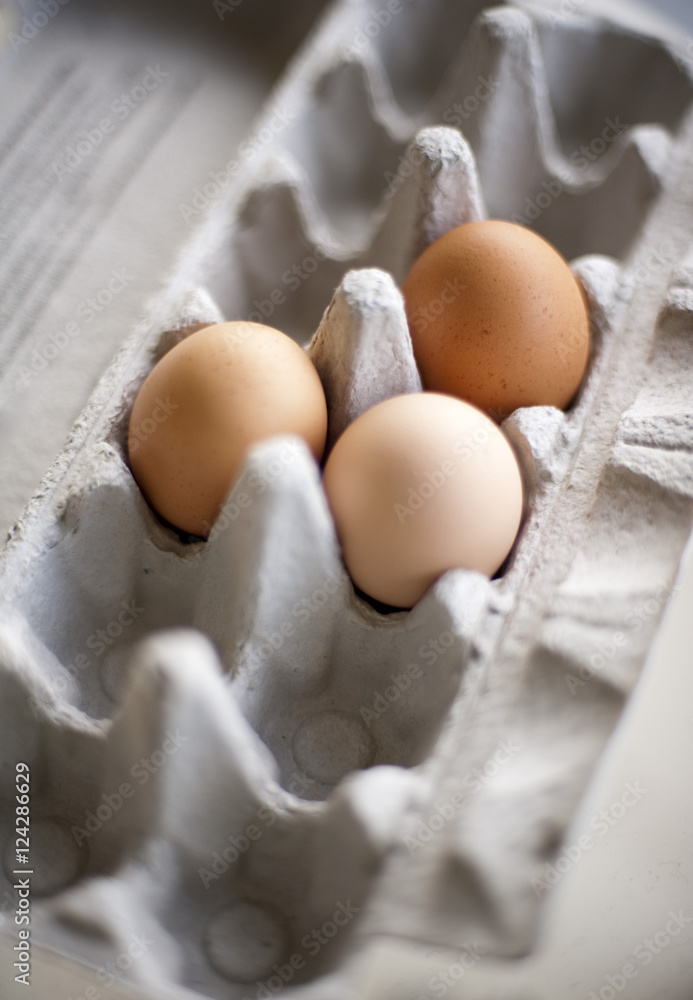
<point x="205" y="403"/>
<point x="418" y="485"/>
<point x="497" y="318"/>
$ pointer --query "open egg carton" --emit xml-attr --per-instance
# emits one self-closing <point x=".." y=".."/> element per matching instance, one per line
<point x="242" y="772"/>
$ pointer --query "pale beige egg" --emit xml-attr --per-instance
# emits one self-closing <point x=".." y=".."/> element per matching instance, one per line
<point x="205" y="403"/>
<point x="418" y="485"/>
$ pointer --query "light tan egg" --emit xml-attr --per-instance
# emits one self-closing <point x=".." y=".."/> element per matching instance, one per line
<point x="497" y="318"/>
<point x="205" y="403"/>
<point x="418" y="485"/>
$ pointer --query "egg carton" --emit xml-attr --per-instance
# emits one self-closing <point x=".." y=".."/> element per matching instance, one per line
<point x="243" y="772"/>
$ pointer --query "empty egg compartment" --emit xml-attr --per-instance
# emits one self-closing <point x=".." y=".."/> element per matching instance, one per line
<point x="517" y="118"/>
<point x="195" y="840"/>
<point x="263" y="775"/>
<point x="322" y="713"/>
<point x="557" y="149"/>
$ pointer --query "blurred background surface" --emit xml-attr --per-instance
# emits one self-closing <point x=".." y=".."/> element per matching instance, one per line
<point x="111" y="115"/>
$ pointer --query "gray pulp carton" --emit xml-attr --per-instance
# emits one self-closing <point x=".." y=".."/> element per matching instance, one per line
<point x="242" y="772"/>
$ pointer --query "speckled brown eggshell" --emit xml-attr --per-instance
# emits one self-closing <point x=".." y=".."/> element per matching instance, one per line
<point x="205" y="403"/>
<point x="497" y="318"/>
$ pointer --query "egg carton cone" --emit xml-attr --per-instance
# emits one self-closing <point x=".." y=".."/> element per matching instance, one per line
<point x="243" y="773"/>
